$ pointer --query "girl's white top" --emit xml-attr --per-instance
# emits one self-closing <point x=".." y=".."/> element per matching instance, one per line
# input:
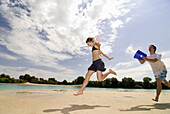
<point x="156" y="66"/>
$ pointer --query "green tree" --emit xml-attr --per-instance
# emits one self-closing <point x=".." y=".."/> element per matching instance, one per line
<point x="43" y="81"/>
<point x="92" y="84"/>
<point x="26" y="77"/>
<point x="13" y="80"/>
<point x="107" y="82"/>
<point x="52" y="81"/>
<point x="64" y="82"/>
<point x="114" y="82"/>
<point x="4" y="80"/>
<point x="146" y="83"/>
<point x="22" y="77"/>
<point x="4" y="76"/>
<point x="78" y="81"/>
<point x="99" y="84"/>
<point x="33" y="79"/>
<point x="128" y="83"/>
<point x="139" y="85"/>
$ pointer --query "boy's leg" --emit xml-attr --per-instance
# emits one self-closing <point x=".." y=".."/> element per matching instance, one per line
<point x="164" y="80"/>
<point x="86" y="81"/>
<point x="158" y="89"/>
<point x="167" y="83"/>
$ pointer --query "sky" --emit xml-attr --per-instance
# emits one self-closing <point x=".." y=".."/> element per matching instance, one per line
<point x="46" y="38"/>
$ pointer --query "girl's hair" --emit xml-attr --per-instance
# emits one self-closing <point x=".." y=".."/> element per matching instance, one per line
<point x="154" y="47"/>
<point x="91" y="39"/>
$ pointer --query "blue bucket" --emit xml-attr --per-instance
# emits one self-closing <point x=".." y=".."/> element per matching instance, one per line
<point x="139" y="55"/>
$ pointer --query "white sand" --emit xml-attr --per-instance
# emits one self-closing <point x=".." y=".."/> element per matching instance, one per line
<point x="92" y="102"/>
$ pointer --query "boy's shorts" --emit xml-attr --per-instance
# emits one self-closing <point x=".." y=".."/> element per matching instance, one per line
<point x="162" y="74"/>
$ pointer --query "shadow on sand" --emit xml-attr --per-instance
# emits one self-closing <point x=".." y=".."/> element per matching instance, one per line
<point x="73" y="108"/>
<point x="67" y="110"/>
<point x="159" y="106"/>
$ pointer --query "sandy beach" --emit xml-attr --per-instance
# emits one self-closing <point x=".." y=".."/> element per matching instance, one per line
<point x="92" y="102"/>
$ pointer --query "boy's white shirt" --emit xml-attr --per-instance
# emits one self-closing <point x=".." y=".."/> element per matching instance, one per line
<point x="156" y="66"/>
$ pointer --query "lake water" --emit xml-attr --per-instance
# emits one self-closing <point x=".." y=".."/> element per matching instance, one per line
<point x="37" y="87"/>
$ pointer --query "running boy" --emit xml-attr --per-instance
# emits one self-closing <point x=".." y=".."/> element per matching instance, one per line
<point x="158" y="68"/>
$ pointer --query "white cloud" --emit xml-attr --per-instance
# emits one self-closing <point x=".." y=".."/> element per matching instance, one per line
<point x="97" y="11"/>
<point x="131" y="50"/>
<point x="17" y="71"/>
<point x="116" y="24"/>
<point x="125" y="65"/>
<point x="7" y="56"/>
<point x="165" y="54"/>
<point x="128" y="19"/>
<point x="133" y="69"/>
<point x="46" y="32"/>
<point x="166" y="58"/>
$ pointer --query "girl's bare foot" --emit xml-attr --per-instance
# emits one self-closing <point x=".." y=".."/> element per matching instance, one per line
<point x="156" y="100"/>
<point x="78" y="93"/>
<point x="113" y="72"/>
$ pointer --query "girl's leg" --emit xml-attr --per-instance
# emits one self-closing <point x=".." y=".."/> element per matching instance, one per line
<point x="101" y="76"/>
<point x="86" y="81"/>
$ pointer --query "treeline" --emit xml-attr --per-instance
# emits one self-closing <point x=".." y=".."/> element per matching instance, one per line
<point x="7" y="79"/>
<point x="32" y="79"/>
<point x="107" y="83"/>
<point x="126" y="83"/>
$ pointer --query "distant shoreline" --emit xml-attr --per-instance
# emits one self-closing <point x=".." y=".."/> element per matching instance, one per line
<point x="87" y="88"/>
<point x="28" y="83"/>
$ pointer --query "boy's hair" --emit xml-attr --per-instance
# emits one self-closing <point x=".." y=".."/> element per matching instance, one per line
<point x="154" y="47"/>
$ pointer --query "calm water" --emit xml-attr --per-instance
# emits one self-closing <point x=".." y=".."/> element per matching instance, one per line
<point x="37" y="87"/>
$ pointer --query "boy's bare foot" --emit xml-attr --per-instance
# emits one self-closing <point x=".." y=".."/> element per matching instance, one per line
<point x="156" y="100"/>
<point x="78" y="93"/>
<point x="113" y="72"/>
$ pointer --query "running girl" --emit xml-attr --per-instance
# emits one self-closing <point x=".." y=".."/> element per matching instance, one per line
<point x="97" y="66"/>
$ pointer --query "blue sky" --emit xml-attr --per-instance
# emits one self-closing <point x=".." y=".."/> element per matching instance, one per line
<point x="47" y="38"/>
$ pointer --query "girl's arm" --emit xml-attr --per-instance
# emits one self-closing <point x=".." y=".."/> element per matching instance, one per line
<point x="98" y="45"/>
<point x="105" y="55"/>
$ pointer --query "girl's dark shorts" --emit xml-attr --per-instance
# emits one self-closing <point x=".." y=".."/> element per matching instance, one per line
<point x="97" y="65"/>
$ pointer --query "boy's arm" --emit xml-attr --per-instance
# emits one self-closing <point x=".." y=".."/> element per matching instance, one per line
<point x="141" y="61"/>
<point x="105" y="55"/>
<point x="150" y="60"/>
